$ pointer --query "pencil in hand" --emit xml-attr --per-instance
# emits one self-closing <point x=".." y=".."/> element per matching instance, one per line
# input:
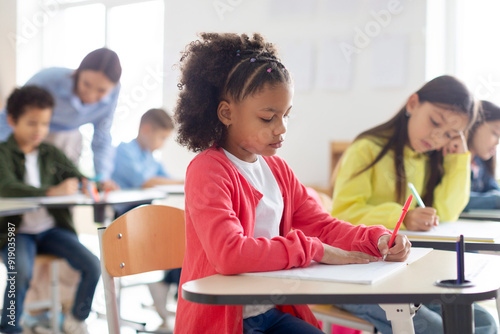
<point x="401" y="218"/>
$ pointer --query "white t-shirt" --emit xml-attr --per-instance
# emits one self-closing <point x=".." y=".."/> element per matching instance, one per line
<point x="40" y="220"/>
<point x="268" y="212"/>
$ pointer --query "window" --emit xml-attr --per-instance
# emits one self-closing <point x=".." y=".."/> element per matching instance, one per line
<point x="134" y="30"/>
<point x="478" y="51"/>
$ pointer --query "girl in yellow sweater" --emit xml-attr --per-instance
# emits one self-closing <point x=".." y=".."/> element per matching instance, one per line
<point x="424" y="144"/>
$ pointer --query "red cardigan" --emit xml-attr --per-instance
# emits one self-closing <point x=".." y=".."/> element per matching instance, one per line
<point x="220" y="218"/>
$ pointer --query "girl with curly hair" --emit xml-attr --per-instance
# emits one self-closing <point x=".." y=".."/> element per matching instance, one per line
<point x="245" y="209"/>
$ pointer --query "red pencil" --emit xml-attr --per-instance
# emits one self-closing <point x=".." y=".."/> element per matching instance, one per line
<point x="401" y="218"/>
<point x="95" y="193"/>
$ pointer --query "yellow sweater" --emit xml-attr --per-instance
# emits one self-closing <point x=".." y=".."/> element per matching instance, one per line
<point x="369" y="198"/>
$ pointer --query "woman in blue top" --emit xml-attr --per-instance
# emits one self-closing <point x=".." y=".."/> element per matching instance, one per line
<point x="88" y="94"/>
<point x="483" y="140"/>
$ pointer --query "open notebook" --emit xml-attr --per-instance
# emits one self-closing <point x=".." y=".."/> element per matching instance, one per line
<point x="349" y="273"/>
<point x="480" y="231"/>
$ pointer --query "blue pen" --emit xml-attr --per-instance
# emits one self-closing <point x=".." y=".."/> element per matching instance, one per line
<point x="417" y="196"/>
<point x="460" y="248"/>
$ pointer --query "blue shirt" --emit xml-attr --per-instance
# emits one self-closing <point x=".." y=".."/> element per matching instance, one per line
<point x="134" y="166"/>
<point x="485" y="193"/>
<point x="70" y="114"/>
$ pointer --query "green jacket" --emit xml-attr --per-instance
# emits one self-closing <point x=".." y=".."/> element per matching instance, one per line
<point x="55" y="167"/>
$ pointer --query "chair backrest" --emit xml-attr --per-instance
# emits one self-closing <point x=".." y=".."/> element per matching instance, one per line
<point x="146" y="238"/>
<point x="337" y="149"/>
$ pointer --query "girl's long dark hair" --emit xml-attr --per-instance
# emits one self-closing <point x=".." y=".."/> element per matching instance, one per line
<point x="444" y="91"/>
<point x="488" y="112"/>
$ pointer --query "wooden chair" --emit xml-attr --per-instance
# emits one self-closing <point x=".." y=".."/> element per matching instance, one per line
<point x="337" y="149"/>
<point x="146" y="238"/>
<point x="330" y="314"/>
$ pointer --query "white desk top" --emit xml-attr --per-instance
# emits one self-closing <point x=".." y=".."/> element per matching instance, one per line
<point x="479" y="235"/>
<point x="113" y="197"/>
<point x="13" y="208"/>
<point x="414" y="284"/>
<point x="481" y="215"/>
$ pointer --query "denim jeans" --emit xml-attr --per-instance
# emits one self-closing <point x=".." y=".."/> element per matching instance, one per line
<point x="275" y="321"/>
<point x="427" y="319"/>
<point x="56" y="241"/>
<point x="486" y="200"/>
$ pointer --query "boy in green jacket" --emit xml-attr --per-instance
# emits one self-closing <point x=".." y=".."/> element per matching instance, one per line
<point x="29" y="167"/>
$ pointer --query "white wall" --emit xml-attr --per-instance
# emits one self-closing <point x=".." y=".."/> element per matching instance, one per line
<point x="319" y="116"/>
<point x="8" y="49"/>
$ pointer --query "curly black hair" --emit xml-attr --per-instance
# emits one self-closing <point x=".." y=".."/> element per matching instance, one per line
<point x="28" y="96"/>
<point x="215" y="68"/>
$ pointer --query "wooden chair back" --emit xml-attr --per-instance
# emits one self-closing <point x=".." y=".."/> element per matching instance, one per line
<point x="146" y="238"/>
<point x="337" y="149"/>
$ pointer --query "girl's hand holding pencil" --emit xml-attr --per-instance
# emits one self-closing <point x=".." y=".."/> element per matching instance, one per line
<point x="421" y="219"/>
<point x="399" y="251"/>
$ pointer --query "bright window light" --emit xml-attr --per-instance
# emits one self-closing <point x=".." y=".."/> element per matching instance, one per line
<point x="69" y="36"/>
<point x="139" y="44"/>
<point x="135" y="32"/>
<point x="478" y="50"/>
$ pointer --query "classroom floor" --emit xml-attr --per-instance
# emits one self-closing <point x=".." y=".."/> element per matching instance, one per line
<point x="136" y="301"/>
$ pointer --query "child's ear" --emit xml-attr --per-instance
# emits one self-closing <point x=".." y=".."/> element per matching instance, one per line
<point x="224" y="113"/>
<point x="413" y="102"/>
<point x="11" y="121"/>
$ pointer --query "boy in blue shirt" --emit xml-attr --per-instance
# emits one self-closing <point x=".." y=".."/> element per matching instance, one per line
<point x="135" y="167"/>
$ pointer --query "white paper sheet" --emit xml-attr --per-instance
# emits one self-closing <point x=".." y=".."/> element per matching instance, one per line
<point x="299" y="59"/>
<point x="483" y="231"/>
<point x="389" y="61"/>
<point x="349" y="273"/>
<point x="171" y="188"/>
<point x="334" y="70"/>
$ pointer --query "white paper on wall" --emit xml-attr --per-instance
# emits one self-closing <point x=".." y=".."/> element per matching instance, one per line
<point x="389" y="61"/>
<point x="333" y="70"/>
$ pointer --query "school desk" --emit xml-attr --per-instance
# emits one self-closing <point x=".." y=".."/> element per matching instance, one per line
<point x="132" y="197"/>
<point x="493" y="215"/>
<point x="480" y="235"/>
<point x="13" y="208"/>
<point x="413" y="284"/>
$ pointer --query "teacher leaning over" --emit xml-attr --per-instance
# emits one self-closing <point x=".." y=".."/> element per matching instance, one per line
<point x="88" y="94"/>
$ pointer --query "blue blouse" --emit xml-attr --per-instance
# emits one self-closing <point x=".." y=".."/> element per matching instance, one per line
<point x="70" y="114"/>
